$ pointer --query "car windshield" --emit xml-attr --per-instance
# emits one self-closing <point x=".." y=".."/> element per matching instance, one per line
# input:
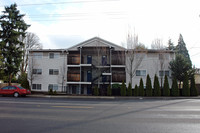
<point x="20" y="87"/>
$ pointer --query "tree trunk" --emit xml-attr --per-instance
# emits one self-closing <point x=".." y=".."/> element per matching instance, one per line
<point x="9" y="79"/>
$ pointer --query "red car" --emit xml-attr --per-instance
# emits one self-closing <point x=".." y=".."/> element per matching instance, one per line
<point x="16" y="91"/>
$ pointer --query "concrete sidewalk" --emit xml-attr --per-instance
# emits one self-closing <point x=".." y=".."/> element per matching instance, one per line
<point x="108" y="97"/>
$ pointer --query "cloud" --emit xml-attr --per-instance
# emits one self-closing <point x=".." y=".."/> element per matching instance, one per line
<point x="112" y="20"/>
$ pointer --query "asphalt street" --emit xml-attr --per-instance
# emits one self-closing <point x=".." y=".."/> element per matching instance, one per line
<point x="63" y="115"/>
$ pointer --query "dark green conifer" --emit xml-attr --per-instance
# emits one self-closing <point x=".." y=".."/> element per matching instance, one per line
<point x="141" y="88"/>
<point x="193" y="89"/>
<point x="174" y="88"/>
<point x="166" y="91"/>
<point x="156" y="86"/>
<point x="148" y="86"/>
<point x="12" y="27"/>
<point x="129" y="91"/>
<point x="186" y="89"/>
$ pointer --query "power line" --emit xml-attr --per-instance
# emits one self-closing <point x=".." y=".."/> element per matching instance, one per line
<point x="77" y="16"/>
<point x="70" y="2"/>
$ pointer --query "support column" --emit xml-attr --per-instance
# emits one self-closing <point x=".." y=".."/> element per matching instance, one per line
<point x="110" y="66"/>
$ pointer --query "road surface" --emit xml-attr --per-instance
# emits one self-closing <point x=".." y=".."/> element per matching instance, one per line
<point x="51" y="115"/>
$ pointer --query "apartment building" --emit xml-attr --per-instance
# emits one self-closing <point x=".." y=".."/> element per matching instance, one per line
<point x="47" y="69"/>
<point x="95" y="62"/>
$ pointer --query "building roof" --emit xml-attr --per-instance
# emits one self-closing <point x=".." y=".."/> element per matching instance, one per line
<point x="47" y="50"/>
<point x="99" y="42"/>
<point x="96" y="42"/>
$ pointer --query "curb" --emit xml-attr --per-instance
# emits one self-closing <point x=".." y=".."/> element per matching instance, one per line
<point x="110" y="97"/>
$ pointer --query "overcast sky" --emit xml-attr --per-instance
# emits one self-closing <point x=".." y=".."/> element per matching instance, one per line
<point x="63" y="23"/>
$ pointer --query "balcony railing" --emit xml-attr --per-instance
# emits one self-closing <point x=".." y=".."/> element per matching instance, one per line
<point x="73" y="60"/>
<point x="73" y="77"/>
<point x="118" y="77"/>
<point x="118" y="61"/>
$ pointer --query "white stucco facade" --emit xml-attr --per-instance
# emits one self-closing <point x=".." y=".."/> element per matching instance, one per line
<point x="53" y="68"/>
<point x="150" y="64"/>
<point x="45" y="63"/>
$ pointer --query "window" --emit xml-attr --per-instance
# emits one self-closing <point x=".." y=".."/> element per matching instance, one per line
<point x="37" y="71"/>
<point x="104" y="60"/>
<point x="54" y="55"/>
<point x="53" y="71"/>
<point x="140" y="72"/>
<point x="12" y="88"/>
<point x="5" y="88"/>
<point x="37" y="55"/>
<point x="36" y="86"/>
<point x="89" y="59"/>
<point x="53" y="86"/>
<point x="163" y="73"/>
<point x="20" y="87"/>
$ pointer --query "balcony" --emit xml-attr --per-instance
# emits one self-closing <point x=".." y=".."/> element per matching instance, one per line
<point x="118" y="77"/>
<point x="73" y="77"/>
<point x="118" y="61"/>
<point x="73" y="60"/>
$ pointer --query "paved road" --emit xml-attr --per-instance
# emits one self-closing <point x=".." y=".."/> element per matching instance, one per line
<point x="51" y="115"/>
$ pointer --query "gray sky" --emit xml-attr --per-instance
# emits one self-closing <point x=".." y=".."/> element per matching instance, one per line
<point x="63" y="23"/>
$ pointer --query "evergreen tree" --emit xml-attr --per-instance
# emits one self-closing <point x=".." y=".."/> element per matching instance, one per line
<point x="23" y="81"/>
<point x="148" y="86"/>
<point x="178" y="67"/>
<point x="156" y="86"/>
<point x="136" y="91"/>
<point x="193" y="89"/>
<point x="109" y="90"/>
<point x="166" y="91"/>
<point x="1" y="67"/>
<point x="129" y="91"/>
<point x="174" y="89"/>
<point x="96" y="91"/>
<point x="141" y="88"/>
<point x="186" y="89"/>
<point x="12" y="27"/>
<point x="123" y="89"/>
<point x="171" y="45"/>
<point x="181" y="49"/>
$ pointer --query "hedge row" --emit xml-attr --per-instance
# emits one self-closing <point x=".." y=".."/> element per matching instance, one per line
<point x="155" y="90"/>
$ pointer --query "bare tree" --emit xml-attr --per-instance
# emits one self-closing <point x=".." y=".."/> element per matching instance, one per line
<point x="162" y="59"/>
<point x="134" y="54"/>
<point x="157" y="44"/>
<point x="31" y="66"/>
<point x="63" y="69"/>
<point x="31" y="41"/>
<point x="100" y="51"/>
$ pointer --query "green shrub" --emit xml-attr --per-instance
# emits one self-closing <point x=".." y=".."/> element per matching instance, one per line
<point x="166" y="91"/>
<point x="193" y="89"/>
<point x="23" y="81"/>
<point x="141" y="88"/>
<point x="115" y="86"/>
<point x="186" y="89"/>
<point x="136" y="91"/>
<point x="174" y="89"/>
<point x="96" y="91"/>
<point x="109" y="90"/>
<point x="148" y="86"/>
<point x="54" y="92"/>
<point x="156" y="86"/>
<point x="123" y="89"/>
<point x="129" y="91"/>
<point x="50" y="92"/>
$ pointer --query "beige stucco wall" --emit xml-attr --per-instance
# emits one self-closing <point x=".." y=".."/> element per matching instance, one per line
<point x="151" y="64"/>
<point x="45" y="63"/>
